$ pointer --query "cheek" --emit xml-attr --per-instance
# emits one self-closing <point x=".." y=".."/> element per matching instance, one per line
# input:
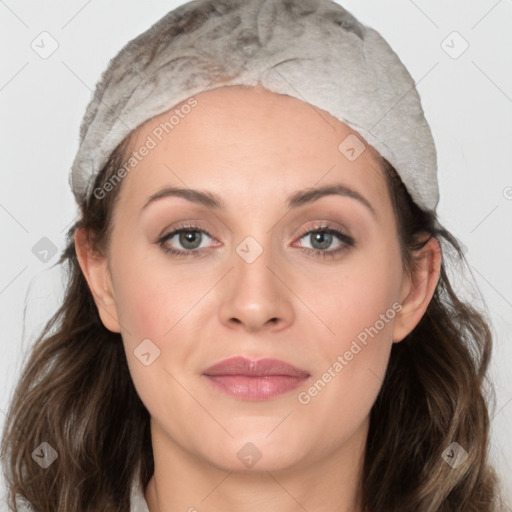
<point x="358" y="296"/>
<point x="358" y="308"/>
<point x="154" y="303"/>
<point x="152" y="297"/>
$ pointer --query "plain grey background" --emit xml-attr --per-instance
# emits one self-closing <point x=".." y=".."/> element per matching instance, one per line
<point x="458" y="52"/>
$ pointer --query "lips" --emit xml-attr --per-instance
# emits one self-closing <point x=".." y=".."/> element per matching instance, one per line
<point x="260" y="379"/>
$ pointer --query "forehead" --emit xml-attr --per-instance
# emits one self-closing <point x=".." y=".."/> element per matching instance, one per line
<point x="247" y="140"/>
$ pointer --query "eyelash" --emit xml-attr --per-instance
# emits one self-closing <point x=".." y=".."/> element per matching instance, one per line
<point x="347" y="240"/>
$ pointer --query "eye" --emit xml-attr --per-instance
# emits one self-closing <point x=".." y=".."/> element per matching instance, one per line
<point x="321" y="239"/>
<point x="188" y="237"/>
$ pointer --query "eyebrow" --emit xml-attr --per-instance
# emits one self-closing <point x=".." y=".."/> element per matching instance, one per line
<point x="297" y="199"/>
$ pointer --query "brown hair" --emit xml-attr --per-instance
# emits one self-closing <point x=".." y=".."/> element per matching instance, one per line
<point x="76" y="393"/>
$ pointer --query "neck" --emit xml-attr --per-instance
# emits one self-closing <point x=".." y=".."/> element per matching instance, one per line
<point x="184" y="482"/>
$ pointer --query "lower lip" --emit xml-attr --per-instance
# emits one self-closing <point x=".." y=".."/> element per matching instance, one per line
<point x="255" y="388"/>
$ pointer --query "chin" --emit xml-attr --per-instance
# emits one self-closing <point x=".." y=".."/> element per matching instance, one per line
<point x="257" y="453"/>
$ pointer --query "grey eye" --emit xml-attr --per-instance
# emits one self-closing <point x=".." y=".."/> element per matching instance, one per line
<point x="323" y="240"/>
<point x="190" y="239"/>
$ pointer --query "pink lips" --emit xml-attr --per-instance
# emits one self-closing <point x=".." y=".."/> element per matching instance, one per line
<point x="255" y="380"/>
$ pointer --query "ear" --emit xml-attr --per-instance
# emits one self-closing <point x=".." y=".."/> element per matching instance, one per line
<point x="97" y="274"/>
<point x="418" y="288"/>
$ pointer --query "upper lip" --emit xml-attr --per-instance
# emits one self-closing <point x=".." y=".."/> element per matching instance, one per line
<point x="254" y="368"/>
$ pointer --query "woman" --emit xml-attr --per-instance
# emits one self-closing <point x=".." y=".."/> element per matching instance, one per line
<point x="258" y="311"/>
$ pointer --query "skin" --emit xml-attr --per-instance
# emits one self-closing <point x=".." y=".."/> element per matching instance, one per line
<point x="254" y="148"/>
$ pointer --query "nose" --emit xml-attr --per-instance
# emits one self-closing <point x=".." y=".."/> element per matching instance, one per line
<point x="256" y="295"/>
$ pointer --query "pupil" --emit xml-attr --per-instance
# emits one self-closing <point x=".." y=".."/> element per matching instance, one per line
<point x="323" y="238"/>
<point x="187" y="238"/>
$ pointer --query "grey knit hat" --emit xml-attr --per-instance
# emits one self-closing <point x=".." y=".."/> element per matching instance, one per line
<point x="313" y="50"/>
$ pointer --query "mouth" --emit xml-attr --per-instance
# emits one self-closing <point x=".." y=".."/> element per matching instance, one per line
<point x="260" y="379"/>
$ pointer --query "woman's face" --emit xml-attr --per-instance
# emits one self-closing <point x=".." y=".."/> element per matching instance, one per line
<point x="259" y="275"/>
